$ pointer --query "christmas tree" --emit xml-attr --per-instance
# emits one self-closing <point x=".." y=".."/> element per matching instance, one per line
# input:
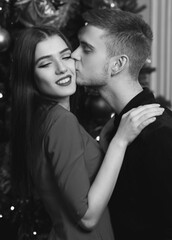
<point x="27" y="219"/>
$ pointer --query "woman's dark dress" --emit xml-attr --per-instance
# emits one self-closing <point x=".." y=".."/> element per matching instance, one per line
<point x="65" y="160"/>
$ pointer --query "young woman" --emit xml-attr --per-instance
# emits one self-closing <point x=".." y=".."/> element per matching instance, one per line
<point x="51" y="152"/>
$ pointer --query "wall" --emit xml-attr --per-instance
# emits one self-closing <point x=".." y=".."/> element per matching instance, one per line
<point x="159" y="15"/>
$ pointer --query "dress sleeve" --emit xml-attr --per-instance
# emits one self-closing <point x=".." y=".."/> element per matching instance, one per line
<point x="65" y="151"/>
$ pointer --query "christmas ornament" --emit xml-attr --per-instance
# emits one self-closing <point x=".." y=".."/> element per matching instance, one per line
<point x="105" y="4"/>
<point x="36" y="12"/>
<point x="4" y="39"/>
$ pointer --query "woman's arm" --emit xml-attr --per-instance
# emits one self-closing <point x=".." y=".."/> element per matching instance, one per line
<point x="131" y="125"/>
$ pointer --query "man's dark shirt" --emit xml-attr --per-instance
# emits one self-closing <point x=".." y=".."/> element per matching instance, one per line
<point x="141" y="204"/>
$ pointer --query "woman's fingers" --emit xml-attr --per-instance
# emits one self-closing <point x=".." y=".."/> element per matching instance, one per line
<point x="144" y="108"/>
<point x="149" y="114"/>
<point x="140" y="117"/>
<point x="134" y="121"/>
<point x="143" y="113"/>
<point x="145" y="123"/>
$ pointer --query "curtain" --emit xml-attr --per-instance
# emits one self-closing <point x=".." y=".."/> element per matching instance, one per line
<point x="161" y="23"/>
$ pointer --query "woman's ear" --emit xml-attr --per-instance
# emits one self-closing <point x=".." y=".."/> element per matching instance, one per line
<point x="118" y="63"/>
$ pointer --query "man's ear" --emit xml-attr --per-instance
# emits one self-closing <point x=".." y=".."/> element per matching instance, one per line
<point x="118" y="63"/>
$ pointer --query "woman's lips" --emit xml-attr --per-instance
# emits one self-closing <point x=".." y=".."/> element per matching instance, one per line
<point x="65" y="81"/>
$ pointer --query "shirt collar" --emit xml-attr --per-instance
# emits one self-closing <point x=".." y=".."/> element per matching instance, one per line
<point x="144" y="97"/>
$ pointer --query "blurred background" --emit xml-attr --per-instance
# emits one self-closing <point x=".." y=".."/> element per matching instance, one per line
<point x="24" y="220"/>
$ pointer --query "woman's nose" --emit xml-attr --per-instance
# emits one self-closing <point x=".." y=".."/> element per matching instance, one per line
<point x="60" y="68"/>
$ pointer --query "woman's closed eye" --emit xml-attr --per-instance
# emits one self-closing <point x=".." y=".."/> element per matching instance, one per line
<point x="43" y="65"/>
<point x="66" y="57"/>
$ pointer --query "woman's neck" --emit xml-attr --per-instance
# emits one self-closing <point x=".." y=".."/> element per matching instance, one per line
<point x="65" y="103"/>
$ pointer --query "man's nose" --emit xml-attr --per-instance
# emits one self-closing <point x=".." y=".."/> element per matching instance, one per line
<point x="75" y="54"/>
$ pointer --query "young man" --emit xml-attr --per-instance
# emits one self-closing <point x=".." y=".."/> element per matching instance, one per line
<point x="114" y="46"/>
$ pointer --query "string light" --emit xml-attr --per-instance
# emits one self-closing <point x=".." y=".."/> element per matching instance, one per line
<point x="1" y="216"/>
<point x="148" y="60"/>
<point x="112" y="115"/>
<point x="112" y="5"/>
<point x="12" y="208"/>
<point x="98" y="138"/>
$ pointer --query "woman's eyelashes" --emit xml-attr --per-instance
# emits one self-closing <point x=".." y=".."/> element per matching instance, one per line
<point x="66" y="56"/>
<point x="44" y="65"/>
<point x="48" y="63"/>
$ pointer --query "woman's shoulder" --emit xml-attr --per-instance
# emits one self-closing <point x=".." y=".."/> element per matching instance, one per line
<point x="59" y="117"/>
<point x="59" y="112"/>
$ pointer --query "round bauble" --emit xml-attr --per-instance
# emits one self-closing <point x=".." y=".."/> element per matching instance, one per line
<point x="5" y="39"/>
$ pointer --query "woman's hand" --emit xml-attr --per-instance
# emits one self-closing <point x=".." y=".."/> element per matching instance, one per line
<point x="135" y="120"/>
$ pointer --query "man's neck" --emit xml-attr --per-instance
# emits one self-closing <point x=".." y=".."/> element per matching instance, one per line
<point x="119" y="98"/>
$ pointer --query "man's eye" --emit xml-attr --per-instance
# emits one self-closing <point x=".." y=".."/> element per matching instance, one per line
<point x="86" y="50"/>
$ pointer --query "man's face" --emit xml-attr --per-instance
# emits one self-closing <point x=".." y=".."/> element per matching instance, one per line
<point x="91" y="57"/>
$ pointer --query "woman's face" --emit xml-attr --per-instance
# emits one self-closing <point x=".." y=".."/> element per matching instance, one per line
<point x="54" y="68"/>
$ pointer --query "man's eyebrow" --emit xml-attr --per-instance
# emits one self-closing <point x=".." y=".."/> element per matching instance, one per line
<point x="84" y="43"/>
<point x="49" y="56"/>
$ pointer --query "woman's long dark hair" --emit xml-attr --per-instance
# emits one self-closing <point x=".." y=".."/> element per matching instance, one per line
<point x="24" y="95"/>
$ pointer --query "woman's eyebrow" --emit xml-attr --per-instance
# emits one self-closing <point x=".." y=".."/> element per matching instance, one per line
<point x="49" y="56"/>
<point x="41" y="58"/>
<point x="65" y="50"/>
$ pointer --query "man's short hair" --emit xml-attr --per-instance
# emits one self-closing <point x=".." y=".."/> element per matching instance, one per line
<point x="126" y="33"/>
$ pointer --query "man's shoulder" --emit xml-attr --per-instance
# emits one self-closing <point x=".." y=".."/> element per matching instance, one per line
<point x="161" y="129"/>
